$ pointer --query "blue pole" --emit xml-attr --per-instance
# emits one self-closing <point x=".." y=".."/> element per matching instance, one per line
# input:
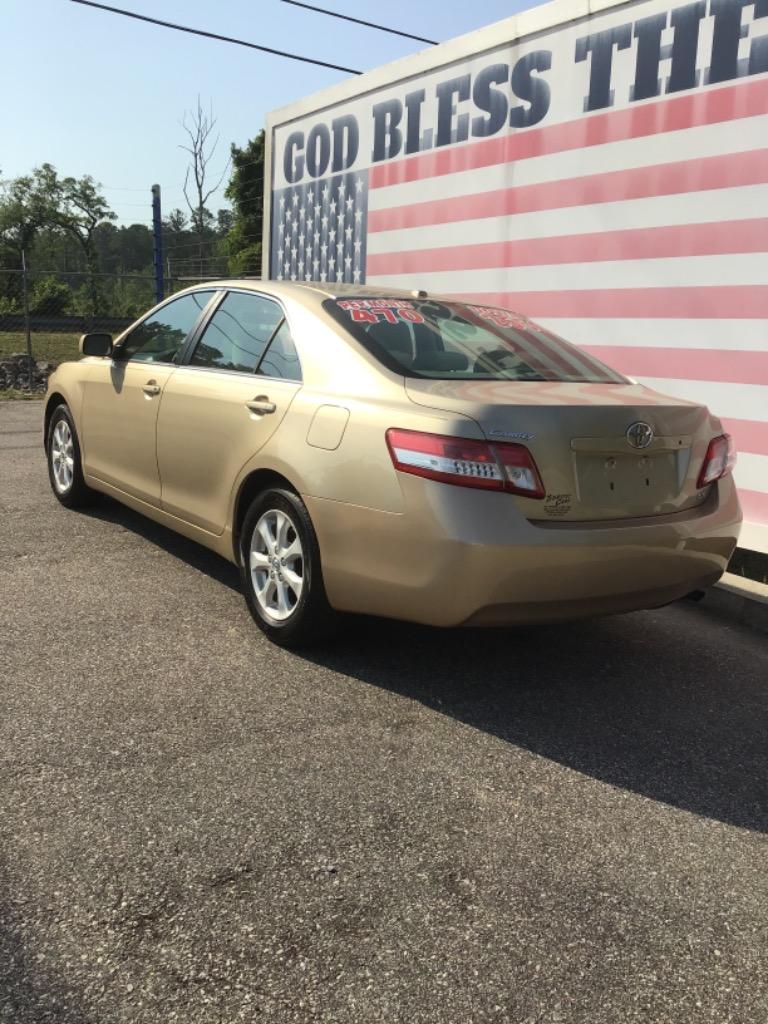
<point x="157" y="251"/>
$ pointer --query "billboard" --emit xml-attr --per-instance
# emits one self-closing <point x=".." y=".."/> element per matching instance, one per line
<point x="601" y="168"/>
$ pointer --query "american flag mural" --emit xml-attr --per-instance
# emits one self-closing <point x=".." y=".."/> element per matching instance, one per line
<point x="631" y="217"/>
<point x="319" y="230"/>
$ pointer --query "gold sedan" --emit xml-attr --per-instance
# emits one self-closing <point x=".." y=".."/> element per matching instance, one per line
<point x="397" y="454"/>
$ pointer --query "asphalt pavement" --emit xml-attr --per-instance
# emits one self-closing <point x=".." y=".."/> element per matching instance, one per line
<point x="560" y="825"/>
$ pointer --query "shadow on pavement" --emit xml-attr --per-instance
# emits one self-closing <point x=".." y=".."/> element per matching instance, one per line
<point x="634" y="701"/>
<point x="672" y="704"/>
<point x="188" y="551"/>
<point x="29" y="992"/>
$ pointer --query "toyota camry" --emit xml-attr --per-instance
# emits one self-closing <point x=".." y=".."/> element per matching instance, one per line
<point x="396" y="454"/>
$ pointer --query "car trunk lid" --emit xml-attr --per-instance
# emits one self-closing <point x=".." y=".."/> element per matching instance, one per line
<point x="604" y="451"/>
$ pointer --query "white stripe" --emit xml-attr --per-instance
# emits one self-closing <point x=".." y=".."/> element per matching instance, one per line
<point x="733" y="401"/>
<point x="741" y="203"/>
<point x="751" y="472"/>
<point x="676" y="272"/>
<point x="738" y="136"/>
<point x="740" y="335"/>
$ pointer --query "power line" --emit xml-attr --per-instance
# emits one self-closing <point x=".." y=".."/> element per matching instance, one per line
<point x="359" y="21"/>
<point x="215" y="35"/>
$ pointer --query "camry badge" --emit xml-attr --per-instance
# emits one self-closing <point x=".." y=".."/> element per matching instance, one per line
<point x="639" y="434"/>
<point x="518" y="435"/>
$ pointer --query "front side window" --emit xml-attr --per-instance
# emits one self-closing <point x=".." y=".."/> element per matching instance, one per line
<point x="463" y="341"/>
<point x="160" y="337"/>
<point x="238" y="333"/>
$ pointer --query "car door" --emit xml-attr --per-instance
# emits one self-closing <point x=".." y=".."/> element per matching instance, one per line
<point x="122" y="396"/>
<point x="223" y="404"/>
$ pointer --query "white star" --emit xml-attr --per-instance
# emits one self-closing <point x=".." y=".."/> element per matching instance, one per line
<point x="295" y="198"/>
<point x="282" y="202"/>
<point x="342" y="188"/>
<point x="309" y="223"/>
<point x="359" y="184"/>
<point x="350" y="203"/>
<point x="347" y="262"/>
<point x="316" y="237"/>
<point x="358" y="245"/>
<point x="279" y="277"/>
<point x="293" y="277"/>
<point x="287" y="266"/>
<point x="280" y="228"/>
<point x="340" y="248"/>
<point x="339" y="275"/>
<point x="317" y="210"/>
<point x="358" y="216"/>
<point x="300" y="264"/>
<point x="348" y="233"/>
<point x="325" y="192"/>
<point x="323" y="248"/>
<point x="315" y="264"/>
<point x="322" y="276"/>
<point x="324" y="222"/>
<point x="332" y="235"/>
<point x="294" y="225"/>
<point x="294" y="250"/>
<point x="307" y="276"/>
<point x="331" y="263"/>
<point x="356" y="276"/>
<point x="333" y="206"/>
<point x="301" y="238"/>
<point x="301" y="210"/>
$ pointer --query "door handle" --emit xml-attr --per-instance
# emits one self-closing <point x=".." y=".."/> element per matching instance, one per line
<point x="151" y="388"/>
<point x="261" y="405"/>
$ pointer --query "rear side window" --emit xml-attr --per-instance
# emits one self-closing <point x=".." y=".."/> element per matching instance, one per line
<point x="281" y="358"/>
<point x="463" y="341"/>
<point x="238" y="333"/>
<point x="160" y="337"/>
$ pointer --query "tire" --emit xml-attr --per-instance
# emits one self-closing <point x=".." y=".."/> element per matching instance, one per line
<point x="65" y="467"/>
<point x="280" y="571"/>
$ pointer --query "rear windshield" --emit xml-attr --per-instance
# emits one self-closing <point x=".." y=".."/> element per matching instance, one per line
<point x="458" y="341"/>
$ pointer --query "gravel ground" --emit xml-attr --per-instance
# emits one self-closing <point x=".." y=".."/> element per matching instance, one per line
<point x="562" y="824"/>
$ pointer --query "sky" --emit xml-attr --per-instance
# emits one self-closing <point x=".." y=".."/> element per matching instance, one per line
<point x="95" y="93"/>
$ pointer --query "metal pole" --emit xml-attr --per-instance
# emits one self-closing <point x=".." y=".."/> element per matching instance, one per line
<point x="27" y="326"/>
<point x="157" y="251"/>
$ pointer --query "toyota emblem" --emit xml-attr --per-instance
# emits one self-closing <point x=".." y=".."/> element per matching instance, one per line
<point x="639" y="435"/>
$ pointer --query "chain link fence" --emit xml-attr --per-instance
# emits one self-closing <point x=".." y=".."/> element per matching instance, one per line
<point x="43" y="313"/>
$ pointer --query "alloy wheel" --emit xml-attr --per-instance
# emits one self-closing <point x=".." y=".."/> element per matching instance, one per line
<point x="276" y="561"/>
<point x="62" y="456"/>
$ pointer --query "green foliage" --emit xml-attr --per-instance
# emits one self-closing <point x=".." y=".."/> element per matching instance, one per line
<point x="49" y="296"/>
<point x="246" y="192"/>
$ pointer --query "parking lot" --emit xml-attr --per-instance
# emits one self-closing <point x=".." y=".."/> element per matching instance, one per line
<point x="561" y="824"/>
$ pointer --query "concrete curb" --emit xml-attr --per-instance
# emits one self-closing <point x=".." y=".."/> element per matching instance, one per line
<point x="743" y="600"/>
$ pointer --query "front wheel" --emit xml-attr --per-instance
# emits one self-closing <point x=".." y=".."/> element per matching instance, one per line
<point x="65" y="467"/>
<point x="280" y="571"/>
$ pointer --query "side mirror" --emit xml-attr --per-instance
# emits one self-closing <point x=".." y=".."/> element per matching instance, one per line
<point x="96" y="344"/>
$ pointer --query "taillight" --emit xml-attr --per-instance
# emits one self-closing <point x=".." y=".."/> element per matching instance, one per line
<point x="719" y="460"/>
<point x="468" y="463"/>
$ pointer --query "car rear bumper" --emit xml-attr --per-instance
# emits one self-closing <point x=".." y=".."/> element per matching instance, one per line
<point x="458" y="556"/>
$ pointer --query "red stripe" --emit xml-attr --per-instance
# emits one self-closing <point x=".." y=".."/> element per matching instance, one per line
<point x="737" y="301"/>
<point x="713" y="172"/>
<point x="754" y="505"/>
<point x="748" y="436"/>
<point x="721" y="365"/>
<point x="736" y="236"/>
<point x="710" y="106"/>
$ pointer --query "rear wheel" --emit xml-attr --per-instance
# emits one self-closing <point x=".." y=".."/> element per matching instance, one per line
<point x="65" y="468"/>
<point x="281" y="573"/>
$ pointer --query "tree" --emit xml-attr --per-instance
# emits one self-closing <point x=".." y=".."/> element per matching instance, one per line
<point x="199" y="190"/>
<point x="77" y="207"/>
<point x="246" y="193"/>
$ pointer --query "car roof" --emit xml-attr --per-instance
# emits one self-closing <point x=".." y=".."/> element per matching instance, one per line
<point x="309" y="290"/>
